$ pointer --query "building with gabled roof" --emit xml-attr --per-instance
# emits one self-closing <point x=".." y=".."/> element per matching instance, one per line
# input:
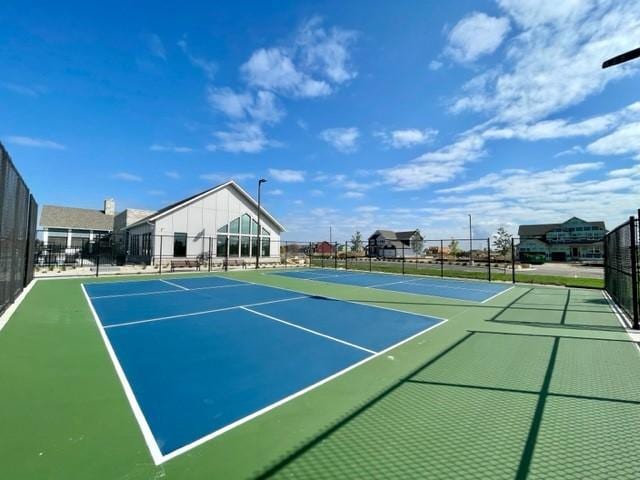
<point x="573" y="240"/>
<point x="69" y="227"/>
<point x="226" y="214"/>
<point x="389" y="244"/>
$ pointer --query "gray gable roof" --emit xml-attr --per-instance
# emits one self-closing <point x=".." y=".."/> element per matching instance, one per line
<point x="543" y="228"/>
<point x="78" y="218"/>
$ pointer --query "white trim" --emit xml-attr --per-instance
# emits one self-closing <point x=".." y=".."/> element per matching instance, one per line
<point x="282" y="401"/>
<point x="160" y="292"/>
<point x="353" y="345"/>
<point x="173" y="284"/>
<point x="154" y="449"/>
<point x="8" y="313"/>
<point x="498" y="294"/>
<point x="204" y="312"/>
<point x="622" y="319"/>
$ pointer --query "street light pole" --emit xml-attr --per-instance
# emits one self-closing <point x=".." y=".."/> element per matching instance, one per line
<point x="470" y="242"/>
<point x="260" y="182"/>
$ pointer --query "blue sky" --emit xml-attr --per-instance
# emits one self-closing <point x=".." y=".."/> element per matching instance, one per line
<point x="362" y="115"/>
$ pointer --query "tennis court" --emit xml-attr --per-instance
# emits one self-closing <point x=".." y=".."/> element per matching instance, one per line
<point x="198" y="356"/>
<point x="466" y="290"/>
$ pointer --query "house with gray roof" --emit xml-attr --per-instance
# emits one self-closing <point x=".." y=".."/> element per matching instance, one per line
<point x="71" y="227"/>
<point x="389" y="244"/>
<point x="573" y="240"/>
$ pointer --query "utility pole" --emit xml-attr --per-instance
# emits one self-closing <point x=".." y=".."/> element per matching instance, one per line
<point x="470" y="242"/>
<point x="260" y="182"/>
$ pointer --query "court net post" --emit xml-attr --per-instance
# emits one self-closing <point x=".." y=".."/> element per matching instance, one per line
<point x="489" y="257"/>
<point x="634" y="270"/>
<point x="513" y="260"/>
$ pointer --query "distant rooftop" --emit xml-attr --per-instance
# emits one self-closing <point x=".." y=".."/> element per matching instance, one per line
<point x="54" y="216"/>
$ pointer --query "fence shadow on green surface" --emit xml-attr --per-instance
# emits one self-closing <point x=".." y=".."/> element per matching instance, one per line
<point x="460" y="415"/>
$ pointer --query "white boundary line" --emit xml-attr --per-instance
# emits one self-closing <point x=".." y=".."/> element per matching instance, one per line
<point x="204" y="312"/>
<point x="349" y="344"/>
<point x="8" y="313"/>
<point x="425" y="281"/>
<point x="173" y="284"/>
<point x="622" y="319"/>
<point x="282" y="401"/>
<point x="498" y="294"/>
<point x="166" y="291"/>
<point x="154" y="449"/>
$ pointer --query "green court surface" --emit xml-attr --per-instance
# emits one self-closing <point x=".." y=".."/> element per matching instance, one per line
<point x="539" y="382"/>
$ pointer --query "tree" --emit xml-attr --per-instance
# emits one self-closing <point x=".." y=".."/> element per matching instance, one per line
<point x="454" y="247"/>
<point x="356" y="242"/>
<point x="502" y="241"/>
<point x="417" y="244"/>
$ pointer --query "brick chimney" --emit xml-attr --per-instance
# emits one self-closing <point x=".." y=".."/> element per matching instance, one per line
<point x="109" y="206"/>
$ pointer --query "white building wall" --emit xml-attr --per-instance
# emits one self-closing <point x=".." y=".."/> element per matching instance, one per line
<point x="202" y="219"/>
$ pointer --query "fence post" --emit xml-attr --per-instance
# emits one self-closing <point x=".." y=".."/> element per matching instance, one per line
<point x="226" y="253"/>
<point x="346" y="255"/>
<point x="285" y="254"/>
<point x="513" y="260"/>
<point x="210" y="251"/>
<point x="489" y="256"/>
<point x="335" y="256"/>
<point x="634" y="271"/>
<point x="403" y="260"/>
<point x="160" y="265"/>
<point x="369" y="261"/>
<point x="98" y="260"/>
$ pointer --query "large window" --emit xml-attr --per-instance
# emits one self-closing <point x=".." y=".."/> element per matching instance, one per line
<point x="179" y="244"/>
<point x="240" y="238"/>
<point x="221" y="246"/>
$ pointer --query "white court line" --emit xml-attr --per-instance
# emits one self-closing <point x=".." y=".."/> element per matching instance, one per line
<point x="432" y="282"/>
<point x="204" y="312"/>
<point x="498" y="294"/>
<point x="173" y="284"/>
<point x="154" y="449"/>
<point x="150" y="440"/>
<point x="168" y="291"/>
<point x="622" y="319"/>
<point x="309" y="330"/>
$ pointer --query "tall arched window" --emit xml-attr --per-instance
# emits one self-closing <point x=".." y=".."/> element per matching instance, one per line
<point x="240" y="238"/>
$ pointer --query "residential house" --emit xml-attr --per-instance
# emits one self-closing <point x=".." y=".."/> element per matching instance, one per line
<point x="573" y="240"/>
<point x="70" y="227"/>
<point x="388" y="244"/>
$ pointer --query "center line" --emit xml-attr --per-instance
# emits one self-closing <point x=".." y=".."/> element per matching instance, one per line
<point x="173" y="284"/>
<point x="309" y="330"/>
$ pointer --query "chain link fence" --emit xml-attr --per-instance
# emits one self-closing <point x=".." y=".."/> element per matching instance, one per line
<point x="18" y="217"/>
<point x="621" y="268"/>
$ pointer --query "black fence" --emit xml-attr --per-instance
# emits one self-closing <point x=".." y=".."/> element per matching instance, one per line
<point x="621" y="268"/>
<point x="18" y="217"/>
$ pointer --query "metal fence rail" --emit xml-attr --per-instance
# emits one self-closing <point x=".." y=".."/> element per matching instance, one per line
<point x="18" y="213"/>
<point x="621" y="268"/>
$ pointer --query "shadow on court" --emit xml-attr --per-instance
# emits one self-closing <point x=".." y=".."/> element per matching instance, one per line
<point x="493" y="405"/>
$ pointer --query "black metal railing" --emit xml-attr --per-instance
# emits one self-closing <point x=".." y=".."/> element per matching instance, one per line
<point x="621" y="268"/>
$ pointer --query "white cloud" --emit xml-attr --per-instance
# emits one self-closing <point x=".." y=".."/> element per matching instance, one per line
<point x="316" y="61"/>
<point x="623" y="141"/>
<point x="170" y="148"/>
<point x="208" y="67"/>
<point x="437" y="166"/>
<point x="476" y="35"/>
<point x="225" y="177"/>
<point x="273" y="69"/>
<point x="156" y="47"/>
<point x="367" y="209"/>
<point x="352" y="194"/>
<point x="28" y="91"/>
<point x="435" y="65"/>
<point x="156" y="193"/>
<point x="242" y="138"/>
<point x="316" y="193"/>
<point x="286" y="175"/>
<point x="344" y="140"/>
<point x="261" y="107"/>
<point x="173" y="175"/>
<point x="275" y="192"/>
<point x="34" y="142"/>
<point x="127" y="177"/>
<point x="407" y="138"/>
<point x="553" y="62"/>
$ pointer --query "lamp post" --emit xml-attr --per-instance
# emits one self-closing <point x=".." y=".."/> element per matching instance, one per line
<point x="260" y="182"/>
<point x="470" y="242"/>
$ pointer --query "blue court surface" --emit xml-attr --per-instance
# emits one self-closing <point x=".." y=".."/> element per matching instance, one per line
<point x="200" y="355"/>
<point x="467" y="290"/>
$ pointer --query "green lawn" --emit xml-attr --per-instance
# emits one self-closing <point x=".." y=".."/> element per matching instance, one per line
<point x="497" y="274"/>
<point x="540" y="382"/>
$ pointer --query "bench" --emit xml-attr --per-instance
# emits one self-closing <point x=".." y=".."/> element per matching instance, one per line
<point x="234" y="262"/>
<point x="184" y="263"/>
